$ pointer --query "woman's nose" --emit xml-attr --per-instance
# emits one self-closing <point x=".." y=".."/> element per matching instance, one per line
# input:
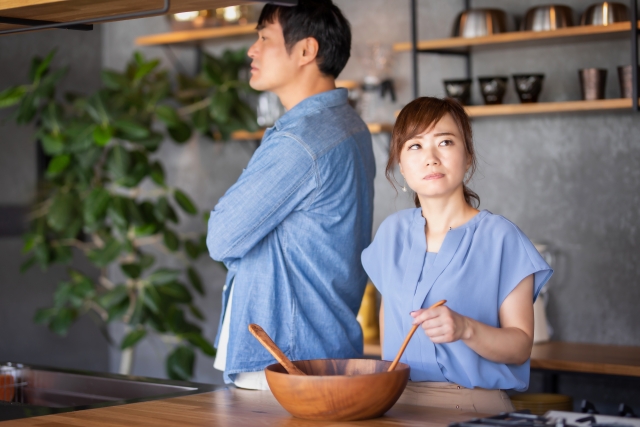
<point x="431" y="158"/>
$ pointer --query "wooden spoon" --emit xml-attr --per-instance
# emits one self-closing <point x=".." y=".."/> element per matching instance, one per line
<point x="406" y="340"/>
<point x="272" y="348"/>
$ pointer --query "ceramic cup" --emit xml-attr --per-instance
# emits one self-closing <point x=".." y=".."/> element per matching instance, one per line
<point x="460" y="90"/>
<point x="493" y="89"/>
<point x="528" y="86"/>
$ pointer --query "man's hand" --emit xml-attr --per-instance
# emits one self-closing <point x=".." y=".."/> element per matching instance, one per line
<point x="441" y="324"/>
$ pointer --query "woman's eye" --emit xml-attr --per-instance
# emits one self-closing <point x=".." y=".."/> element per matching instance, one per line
<point x="414" y="147"/>
<point x="446" y="143"/>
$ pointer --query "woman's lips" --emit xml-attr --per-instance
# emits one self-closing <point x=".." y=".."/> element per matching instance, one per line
<point x="433" y="176"/>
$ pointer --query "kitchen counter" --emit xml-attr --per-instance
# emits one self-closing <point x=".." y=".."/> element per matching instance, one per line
<point x="228" y="407"/>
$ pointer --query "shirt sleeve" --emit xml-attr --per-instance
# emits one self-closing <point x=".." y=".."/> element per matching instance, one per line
<point x="520" y="259"/>
<point x="275" y="183"/>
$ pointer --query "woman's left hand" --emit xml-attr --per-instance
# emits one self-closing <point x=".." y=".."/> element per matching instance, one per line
<point x="441" y="324"/>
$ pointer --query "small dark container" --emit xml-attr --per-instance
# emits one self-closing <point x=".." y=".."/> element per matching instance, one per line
<point x="528" y="86"/>
<point x="626" y="81"/>
<point x="493" y="89"/>
<point x="593" y="82"/>
<point x="460" y="90"/>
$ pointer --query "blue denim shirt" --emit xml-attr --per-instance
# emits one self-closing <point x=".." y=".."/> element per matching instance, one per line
<point x="291" y="231"/>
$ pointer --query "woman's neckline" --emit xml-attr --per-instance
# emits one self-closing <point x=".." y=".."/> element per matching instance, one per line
<point x="475" y="219"/>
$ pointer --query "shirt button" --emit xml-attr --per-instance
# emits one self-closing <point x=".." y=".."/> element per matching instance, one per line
<point x="458" y="387"/>
<point x="457" y="406"/>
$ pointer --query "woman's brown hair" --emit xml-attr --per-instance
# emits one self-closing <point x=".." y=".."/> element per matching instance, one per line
<point x="419" y="116"/>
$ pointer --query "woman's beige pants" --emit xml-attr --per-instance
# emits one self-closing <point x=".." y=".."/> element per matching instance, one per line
<point x="453" y="396"/>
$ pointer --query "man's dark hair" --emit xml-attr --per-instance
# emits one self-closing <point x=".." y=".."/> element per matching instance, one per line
<point x="320" y="19"/>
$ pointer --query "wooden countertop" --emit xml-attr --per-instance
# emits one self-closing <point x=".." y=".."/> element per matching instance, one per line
<point x="232" y="408"/>
<point x="587" y="358"/>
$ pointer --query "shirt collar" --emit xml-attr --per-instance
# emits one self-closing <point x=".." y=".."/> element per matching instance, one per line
<point x="331" y="98"/>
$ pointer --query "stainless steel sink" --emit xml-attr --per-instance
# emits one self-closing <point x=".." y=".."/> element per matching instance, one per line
<point x="30" y="390"/>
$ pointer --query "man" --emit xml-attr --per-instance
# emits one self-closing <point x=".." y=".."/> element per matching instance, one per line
<point x="292" y="228"/>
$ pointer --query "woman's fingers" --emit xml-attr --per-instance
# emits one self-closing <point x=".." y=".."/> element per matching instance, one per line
<point x="420" y="316"/>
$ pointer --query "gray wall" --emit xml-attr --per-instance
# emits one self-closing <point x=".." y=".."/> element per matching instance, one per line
<point x="21" y="294"/>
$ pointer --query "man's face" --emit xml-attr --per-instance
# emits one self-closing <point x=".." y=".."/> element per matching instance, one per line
<point x="272" y="66"/>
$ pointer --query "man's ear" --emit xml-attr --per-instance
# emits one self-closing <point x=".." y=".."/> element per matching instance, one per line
<point x="308" y="50"/>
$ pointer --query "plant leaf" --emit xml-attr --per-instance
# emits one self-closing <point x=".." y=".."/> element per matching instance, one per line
<point x="180" y="132"/>
<point x="12" y="96"/>
<point x="58" y="164"/>
<point x="61" y="322"/>
<point x="131" y="270"/>
<point x="195" y="280"/>
<point x="177" y="291"/>
<point x="106" y="255"/>
<point x="163" y="276"/>
<point x="168" y="115"/>
<point x="198" y="340"/>
<point x="102" y="135"/>
<point x="157" y="173"/>
<point x="184" y="202"/>
<point x="171" y="240"/>
<point x="61" y="211"/>
<point x="132" y="338"/>
<point x="119" y="162"/>
<point x="95" y="205"/>
<point x="131" y="130"/>
<point x="180" y="363"/>
<point x="113" y="297"/>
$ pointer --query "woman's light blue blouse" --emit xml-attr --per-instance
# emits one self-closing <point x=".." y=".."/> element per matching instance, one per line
<point x="478" y="265"/>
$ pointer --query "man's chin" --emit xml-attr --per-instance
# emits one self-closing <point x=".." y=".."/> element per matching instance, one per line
<point x="257" y="85"/>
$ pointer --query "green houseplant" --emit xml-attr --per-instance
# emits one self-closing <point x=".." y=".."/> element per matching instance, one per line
<point x="104" y="193"/>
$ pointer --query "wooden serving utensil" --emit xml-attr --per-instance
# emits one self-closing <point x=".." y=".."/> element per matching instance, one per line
<point x="409" y="335"/>
<point x="272" y="348"/>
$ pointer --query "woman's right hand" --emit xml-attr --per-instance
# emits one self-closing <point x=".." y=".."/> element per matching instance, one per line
<point x="441" y="324"/>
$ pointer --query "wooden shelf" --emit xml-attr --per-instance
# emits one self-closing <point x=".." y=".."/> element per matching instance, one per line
<point x="199" y="34"/>
<point x="517" y="36"/>
<point x="73" y="10"/>
<point x="548" y="107"/>
<point x="243" y="135"/>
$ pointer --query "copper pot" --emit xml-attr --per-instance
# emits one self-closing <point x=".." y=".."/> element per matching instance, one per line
<point x="480" y="22"/>
<point x="605" y="13"/>
<point x="547" y="18"/>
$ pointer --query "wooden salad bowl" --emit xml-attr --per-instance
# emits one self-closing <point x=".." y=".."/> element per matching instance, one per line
<point x="338" y="389"/>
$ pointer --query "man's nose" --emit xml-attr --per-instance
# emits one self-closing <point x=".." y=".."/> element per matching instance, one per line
<point x="252" y="52"/>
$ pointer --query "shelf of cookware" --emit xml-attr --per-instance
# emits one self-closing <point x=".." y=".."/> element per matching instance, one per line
<point x="615" y="29"/>
<point x="196" y="35"/>
<point x="27" y="15"/>
<point x="243" y="135"/>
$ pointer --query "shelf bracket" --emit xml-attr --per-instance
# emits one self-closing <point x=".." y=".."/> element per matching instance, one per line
<point x="634" y="55"/>
<point x="415" y="51"/>
<point x="82" y="23"/>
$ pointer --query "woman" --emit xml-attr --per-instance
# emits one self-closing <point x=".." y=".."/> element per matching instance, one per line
<point x="479" y="343"/>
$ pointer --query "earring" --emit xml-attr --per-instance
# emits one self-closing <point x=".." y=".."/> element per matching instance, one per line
<point x="404" y="187"/>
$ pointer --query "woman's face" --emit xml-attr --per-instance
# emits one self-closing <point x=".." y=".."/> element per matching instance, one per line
<point x="435" y="162"/>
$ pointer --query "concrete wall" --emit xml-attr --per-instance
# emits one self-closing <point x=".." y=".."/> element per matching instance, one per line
<point x="20" y="295"/>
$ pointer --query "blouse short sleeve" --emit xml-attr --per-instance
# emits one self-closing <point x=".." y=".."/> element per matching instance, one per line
<point x="520" y="259"/>
<point x="372" y="255"/>
<point x="382" y="260"/>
